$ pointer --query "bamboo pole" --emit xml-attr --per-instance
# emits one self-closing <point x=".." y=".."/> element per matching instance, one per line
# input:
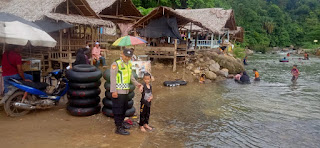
<point x="67" y="6"/>
<point x="175" y="55"/>
<point x="196" y="41"/>
<point x="91" y="28"/>
<point x="69" y="49"/>
<point x="60" y="34"/>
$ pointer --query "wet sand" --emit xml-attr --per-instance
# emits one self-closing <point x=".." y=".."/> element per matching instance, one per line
<point x="56" y="128"/>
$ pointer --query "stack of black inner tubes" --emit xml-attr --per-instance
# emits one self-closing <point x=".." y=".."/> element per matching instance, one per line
<point x="84" y="91"/>
<point x="107" y="102"/>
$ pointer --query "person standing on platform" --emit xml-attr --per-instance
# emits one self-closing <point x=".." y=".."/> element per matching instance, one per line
<point x="120" y="78"/>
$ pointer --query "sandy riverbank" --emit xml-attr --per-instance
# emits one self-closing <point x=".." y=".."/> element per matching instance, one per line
<point x="56" y="128"/>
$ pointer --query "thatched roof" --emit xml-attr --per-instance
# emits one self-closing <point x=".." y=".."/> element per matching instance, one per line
<point x="78" y="19"/>
<point x="168" y="12"/>
<point x="99" y="5"/>
<point x="30" y="10"/>
<point x="215" y="19"/>
<point x="116" y="10"/>
<point x="192" y="26"/>
<point x="238" y="34"/>
<point x="3" y="3"/>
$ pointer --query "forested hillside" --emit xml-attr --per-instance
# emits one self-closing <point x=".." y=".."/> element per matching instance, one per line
<point x="268" y="23"/>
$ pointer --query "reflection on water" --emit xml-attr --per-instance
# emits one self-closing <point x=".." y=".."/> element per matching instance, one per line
<point x="270" y="113"/>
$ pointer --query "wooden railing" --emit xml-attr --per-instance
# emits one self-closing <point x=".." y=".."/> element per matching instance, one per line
<point x="206" y="43"/>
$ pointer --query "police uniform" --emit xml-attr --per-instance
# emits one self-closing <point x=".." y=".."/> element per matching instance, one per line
<point x="120" y="78"/>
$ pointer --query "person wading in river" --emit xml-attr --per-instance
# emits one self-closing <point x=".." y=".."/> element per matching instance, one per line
<point x="120" y="77"/>
<point x="295" y="73"/>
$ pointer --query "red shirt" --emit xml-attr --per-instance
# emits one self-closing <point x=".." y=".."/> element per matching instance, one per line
<point x="14" y="58"/>
<point x="295" y="72"/>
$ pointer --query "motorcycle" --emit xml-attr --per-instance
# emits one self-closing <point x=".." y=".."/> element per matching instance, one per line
<point x="25" y="96"/>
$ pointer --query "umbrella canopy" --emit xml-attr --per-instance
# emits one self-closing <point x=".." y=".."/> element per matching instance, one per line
<point x="128" y="40"/>
<point x="18" y="33"/>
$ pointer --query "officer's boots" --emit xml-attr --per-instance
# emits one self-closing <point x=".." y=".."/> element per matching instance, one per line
<point x="120" y="130"/>
<point x="125" y="125"/>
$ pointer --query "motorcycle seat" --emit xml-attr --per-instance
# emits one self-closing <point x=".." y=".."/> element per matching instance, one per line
<point x="36" y="85"/>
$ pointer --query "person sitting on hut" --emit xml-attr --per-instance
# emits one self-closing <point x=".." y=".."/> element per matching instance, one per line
<point x="153" y="42"/>
<point x="96" y="55"/>
<point x="81" y="57"/>
<point x="87" y="45"/>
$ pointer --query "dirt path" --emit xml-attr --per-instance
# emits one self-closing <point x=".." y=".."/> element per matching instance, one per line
<point x="56" y="128"/>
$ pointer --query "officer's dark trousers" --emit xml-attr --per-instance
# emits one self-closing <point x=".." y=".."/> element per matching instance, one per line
<point x="119" y="107"/>
<point x="144" y="114"/>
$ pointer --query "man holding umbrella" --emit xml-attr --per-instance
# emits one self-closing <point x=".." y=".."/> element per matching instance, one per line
<point x="120" y="78"/>
<point x="12" y="66"/>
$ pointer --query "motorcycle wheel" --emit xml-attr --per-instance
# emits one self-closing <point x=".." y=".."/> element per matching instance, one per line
<point x="10" y="109"/>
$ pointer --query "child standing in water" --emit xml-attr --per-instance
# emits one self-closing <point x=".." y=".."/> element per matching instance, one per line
<point x="202" y="78"/>
<point x="295" y="73"/>
<point x="146" y="103"/>
<point x="256" y="75"/>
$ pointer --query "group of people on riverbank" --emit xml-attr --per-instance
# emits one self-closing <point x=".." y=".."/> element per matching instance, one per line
<point x="83" y="55"/>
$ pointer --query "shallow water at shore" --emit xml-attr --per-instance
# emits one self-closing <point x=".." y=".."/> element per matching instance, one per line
<point x="270" y="113"/>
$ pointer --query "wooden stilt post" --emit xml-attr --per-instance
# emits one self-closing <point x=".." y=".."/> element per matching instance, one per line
<point x="175" y="55"/>
<point x="92" y="44"/>
<point x="212" y="40"/>
<point x="67" y="6"/>
<point x="60" y="49"/>
<point x="196" y="41"/>
<point x="69" y="49"/>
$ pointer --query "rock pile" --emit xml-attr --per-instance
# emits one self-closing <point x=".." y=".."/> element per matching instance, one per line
<point x="215" y="65"/>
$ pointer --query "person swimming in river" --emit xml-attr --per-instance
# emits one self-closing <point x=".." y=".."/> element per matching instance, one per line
<point x="256" y="75"/>
<point x="202" y="78"/>
<point x="306" y="56"/>
<point x="245" y="60"/>
<point x="295" y="73"/>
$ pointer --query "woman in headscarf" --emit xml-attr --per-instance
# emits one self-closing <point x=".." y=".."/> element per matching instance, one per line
<point x="244" y="78"/>
<point x="81" y="57"/>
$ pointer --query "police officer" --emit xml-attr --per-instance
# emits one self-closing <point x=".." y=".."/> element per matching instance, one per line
<point x="120" y="78"/>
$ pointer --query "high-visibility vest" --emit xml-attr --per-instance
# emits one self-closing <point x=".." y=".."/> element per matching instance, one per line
<point x="124" y="74"/>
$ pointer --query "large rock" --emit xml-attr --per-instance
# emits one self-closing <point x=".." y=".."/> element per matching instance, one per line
<point x="233" y="65"/>
<point x="190" y="66"/>
<point x="223" y="72"/>
<point x="212" y="62"/>
<point x="318" y="52"/>
<point x="214" y="67"/>
<point x="196" y="71"/>
<point x="210" y="75"/>
<point x="249" y="52"/>
<point x="207" y="59"/>
<point x="201" y="60"/>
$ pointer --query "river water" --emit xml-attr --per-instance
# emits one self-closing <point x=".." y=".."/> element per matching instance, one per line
<point x="270" y="113"/>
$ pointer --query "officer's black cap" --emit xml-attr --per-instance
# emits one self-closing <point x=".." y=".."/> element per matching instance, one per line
<point x="128" y="52"/>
